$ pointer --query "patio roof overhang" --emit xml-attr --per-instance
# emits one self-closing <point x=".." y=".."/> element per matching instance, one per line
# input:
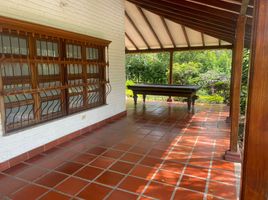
<point x="166" y="25"/>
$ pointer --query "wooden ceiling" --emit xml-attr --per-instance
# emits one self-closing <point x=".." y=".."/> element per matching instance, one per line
<point x="216" y="18"/>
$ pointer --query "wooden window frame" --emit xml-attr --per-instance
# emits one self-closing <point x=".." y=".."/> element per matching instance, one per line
<point x="59" y="93"/>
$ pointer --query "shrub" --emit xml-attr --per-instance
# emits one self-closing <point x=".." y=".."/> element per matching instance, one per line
<point x="211" y="99"/>
<point x="129" y="93"/>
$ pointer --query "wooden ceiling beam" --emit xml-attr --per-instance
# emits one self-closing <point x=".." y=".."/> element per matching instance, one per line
<point x="186" y="14"/>
<point x="137" y="30"/>
<point x="227" y="36"/>
<point x="149" y="25"/>
<point x="131" y="41"/>
<point x="179" y="49"/>
<point x="226" y="5"/>
<point x="168" y="31"/>
<point x="202" y="9"/>
<point x="185" y="35"/>
<point x="187" y="22"/>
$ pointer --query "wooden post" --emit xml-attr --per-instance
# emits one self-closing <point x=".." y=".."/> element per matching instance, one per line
<point x="233" y="154"/>
<point x="255" y="165"/>
<point x="228" y="119"/>
<point x="170" y="79"/>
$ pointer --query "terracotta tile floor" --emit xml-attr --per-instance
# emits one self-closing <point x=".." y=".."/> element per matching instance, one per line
<point x="159" y="151"/>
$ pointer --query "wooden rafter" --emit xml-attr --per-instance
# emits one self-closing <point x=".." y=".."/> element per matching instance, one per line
<point x="179" y="49"/>
<point x="201" y="27"/>
<point x="226" y="5"/>
<point x="137" y="30"/>
<point x="186" y="36"/>
<point x="186" y="14"/>
<point x="168" y="31"/>
<point x="150" y="26"/>
<point x="131" y="41"/>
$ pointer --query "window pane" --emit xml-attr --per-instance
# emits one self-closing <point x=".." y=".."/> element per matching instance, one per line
<point x="73" y="51"/>
<point x="47" y="48"/>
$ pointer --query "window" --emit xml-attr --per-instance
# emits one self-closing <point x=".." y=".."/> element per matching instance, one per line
<point x="47" y="76"/>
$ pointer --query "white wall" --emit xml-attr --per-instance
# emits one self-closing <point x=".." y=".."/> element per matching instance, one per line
<point x="99" y="18"/>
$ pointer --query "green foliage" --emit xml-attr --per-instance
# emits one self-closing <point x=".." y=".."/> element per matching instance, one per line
<point x="244" y="86"/>
<point x="129" y="93"/>
<point x="211" y="99"/>
<point x="147" y="68"/>
<point x="209" y="69"/>
<point x="185" y="73"/>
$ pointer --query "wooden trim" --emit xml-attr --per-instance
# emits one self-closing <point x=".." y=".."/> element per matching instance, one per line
<point x="186" y="35"/>
<point x="168" y="31"/>
<point x="255" y="165"/>
<point x="150" y="26"/>
<point x="180" y="49"/>
<point x="131" y="41"/>
<point x="137" y="30"/>
<point x="29" y="27"/>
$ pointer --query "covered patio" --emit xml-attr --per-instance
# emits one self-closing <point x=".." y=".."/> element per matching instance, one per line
<point x="159" y="151"/>
<point x="67" y="131"/>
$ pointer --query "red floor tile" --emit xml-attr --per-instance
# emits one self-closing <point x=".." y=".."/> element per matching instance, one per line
<point x="51" y="179"/>
<point x="157" y="130"/>
<point x="223" y="176"/>
<point x="113" y="154"/>
<point x="88" y="173"/>
<point x="157" y="153"/>
<point x="69" y="168"/>
<point x="117" y="194"/>
<point x="84" y="158"/>
<point x="122" y="147"/>
<point x="182" y="194"/>
<point x="110" y="178"/>
<point x="167" y="177"/>
<point x="102" y="162"/>
<point x="29" y="192"/>
<point x="196" y="171"/>
<point x="151" y="162"/>
<point x="143" y="172"/>
<point x="130" y="157"/>
<point x="178" y="157"/>
<point x="71" y="185"/>
<point x="55" y="196"/>
<point x="224" y="165"/>
<point x="96" y="150"/>
<point x="94" y="191"/>
<point x="10" y="185"/>
<point x="32" y="173"/>
<point x="133" y="184"/>
<point x="222" y="190"/>
<point x="159" y="191"/>
<point x="173" y="166"/>
<point x="121" y="167"/>
<point x="193" y="183"/>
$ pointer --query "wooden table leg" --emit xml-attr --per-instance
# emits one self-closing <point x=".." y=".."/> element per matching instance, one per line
<point x="144" y="97"/>
<point x="189" y="102"/>
<point x="135" y="97"/>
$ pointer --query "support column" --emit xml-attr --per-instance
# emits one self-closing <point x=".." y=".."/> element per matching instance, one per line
<point x="233" y="154"/>
<point x="170" y="78"/>
<point x="228" y="119"/>
<point x="255" y="164"/>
